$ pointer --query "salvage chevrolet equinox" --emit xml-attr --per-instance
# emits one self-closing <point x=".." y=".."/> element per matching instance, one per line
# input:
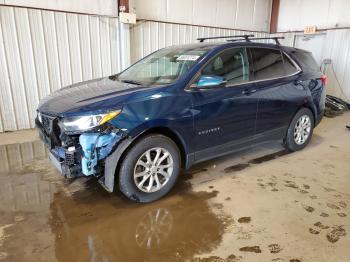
<point x="179" y="106"/>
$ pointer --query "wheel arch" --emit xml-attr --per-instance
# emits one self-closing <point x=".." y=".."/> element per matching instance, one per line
<point x="161" y="130"/>
<point x="305" y="105"/>
<point x="309" y="106"/>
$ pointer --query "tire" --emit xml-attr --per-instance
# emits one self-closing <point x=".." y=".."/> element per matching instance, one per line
<point x="292" y="141"/>
<point x="137" y="166"/>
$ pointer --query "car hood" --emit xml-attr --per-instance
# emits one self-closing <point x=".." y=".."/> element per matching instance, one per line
<point x="92" y="96"/>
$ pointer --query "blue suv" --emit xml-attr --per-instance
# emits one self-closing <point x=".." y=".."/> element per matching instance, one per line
<point x="179" y="106"/>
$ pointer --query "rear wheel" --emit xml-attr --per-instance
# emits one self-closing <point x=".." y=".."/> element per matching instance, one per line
<point x="300" y="130"/>
<point x="150" y="169"/>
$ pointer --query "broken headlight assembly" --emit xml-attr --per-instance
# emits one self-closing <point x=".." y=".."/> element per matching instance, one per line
<point x="84" y="123"/>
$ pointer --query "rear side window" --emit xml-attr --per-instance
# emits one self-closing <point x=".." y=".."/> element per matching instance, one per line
<point x="232" y="64"/>
<point x="307" y="61"/>
<point x="271" y="63"/>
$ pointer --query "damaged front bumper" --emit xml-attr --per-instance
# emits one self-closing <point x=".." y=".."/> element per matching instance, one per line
<point x="87" y="154"/>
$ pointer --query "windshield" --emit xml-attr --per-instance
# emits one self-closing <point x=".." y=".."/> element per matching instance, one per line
<point x="163" y="67"/>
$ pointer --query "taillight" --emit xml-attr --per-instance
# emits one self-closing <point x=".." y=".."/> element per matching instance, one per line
<point x="324" y="80"/>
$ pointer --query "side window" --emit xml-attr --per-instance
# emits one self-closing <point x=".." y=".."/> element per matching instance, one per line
<point x="231" y="64"/>
<point x="289" y="67"/>
<point x="268" y="63"/>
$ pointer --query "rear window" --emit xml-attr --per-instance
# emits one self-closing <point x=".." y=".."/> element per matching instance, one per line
<point x="307" y="61"/>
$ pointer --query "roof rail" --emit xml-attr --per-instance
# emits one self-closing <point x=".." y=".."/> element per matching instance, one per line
<point x="246" y="37"/>
<point x="276" y="38"/>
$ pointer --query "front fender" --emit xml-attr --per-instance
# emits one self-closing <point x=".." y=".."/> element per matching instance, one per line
<point x="111" y="163"/>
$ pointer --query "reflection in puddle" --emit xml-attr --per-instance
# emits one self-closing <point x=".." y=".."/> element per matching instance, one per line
<point x="79" y="221"/>
<point x="109" y="228"/>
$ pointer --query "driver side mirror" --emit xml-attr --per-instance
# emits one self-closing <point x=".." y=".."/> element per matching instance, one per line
<point x="209" y="81"/>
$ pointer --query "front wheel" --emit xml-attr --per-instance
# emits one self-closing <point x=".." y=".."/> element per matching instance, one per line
<point x="149" y="169"/>
<point x="300" y="130"/>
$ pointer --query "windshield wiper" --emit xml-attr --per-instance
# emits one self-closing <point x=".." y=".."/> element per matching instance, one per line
<point x="131" y="82"/>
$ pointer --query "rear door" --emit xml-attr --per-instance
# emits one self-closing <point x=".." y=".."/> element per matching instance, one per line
<point x="224" y="117"/>
<point x="279" y="93"/>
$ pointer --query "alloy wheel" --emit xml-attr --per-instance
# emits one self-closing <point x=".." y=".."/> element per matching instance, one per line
<point x="153" y="169"/>
<point x="302" y="129"/>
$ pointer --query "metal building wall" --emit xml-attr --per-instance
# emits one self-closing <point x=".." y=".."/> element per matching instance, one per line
<point x="42" y="51"/>
<point x="232" y="14"/>
<point x="337" y="48"/>
<point x="148" y="36"/>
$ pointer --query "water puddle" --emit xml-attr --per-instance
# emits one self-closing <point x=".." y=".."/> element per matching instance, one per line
<point x="79" y="221"/>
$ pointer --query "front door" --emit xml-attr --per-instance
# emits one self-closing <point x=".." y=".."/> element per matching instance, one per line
<point x="224" y="116"/>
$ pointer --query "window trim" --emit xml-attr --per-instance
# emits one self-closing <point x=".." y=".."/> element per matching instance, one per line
<point x="280" y="77"/>
<point x="198" y="74"/>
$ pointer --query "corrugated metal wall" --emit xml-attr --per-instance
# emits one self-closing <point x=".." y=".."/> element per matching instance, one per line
<point x="148" y="36"/>
<point x="42" y="51"/>
<point x="243" y="14"/>
<point x="337" y="48"/>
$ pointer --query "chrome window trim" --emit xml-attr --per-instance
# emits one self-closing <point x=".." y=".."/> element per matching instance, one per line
<point x="249" y="82"/>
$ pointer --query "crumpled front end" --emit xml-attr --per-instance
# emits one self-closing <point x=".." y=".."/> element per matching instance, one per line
<point x="85" y="154"/>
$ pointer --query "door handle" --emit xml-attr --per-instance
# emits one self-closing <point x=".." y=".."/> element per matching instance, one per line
<point x="248" y="92"/>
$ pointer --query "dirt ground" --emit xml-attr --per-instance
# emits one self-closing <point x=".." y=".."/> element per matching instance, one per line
<point x="262" y="204"/>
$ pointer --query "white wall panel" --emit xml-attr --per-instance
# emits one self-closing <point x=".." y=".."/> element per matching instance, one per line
<point x="262" y="14"/>
<point x="105" y="46"/>
<point x="74" y="48"/>
<point x="14" y="66"/>
<point x="177" y="11"/>
<point x="26" y="54"/>
<point x="6" y="106"/>
<point x="147" y="36"/>
<point x="85" y="48"/>
<point x="51" y="48"/>
<point x="39" y="53"/>
<point x="204" y="12"/>
<point x="337" y="48"/>
<point x="99" y="7"/>
<point x="235" y="14"/>
<point x="226" y="10"/>
<point x="296" y="14"/>
<point x="245" y="14"/>
<point x="42" y="51"/>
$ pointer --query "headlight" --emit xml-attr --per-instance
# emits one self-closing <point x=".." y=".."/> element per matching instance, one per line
<point x="82" y="123"/>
